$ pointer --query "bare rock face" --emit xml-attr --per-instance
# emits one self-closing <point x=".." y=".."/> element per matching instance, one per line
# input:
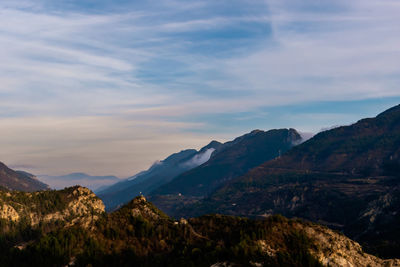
<point x="330" y="248"/>
<point x="84" y="209"/>
<point x="75" y="205"/>
<point x="7" y="212"/>
<point x="336" y="250"/>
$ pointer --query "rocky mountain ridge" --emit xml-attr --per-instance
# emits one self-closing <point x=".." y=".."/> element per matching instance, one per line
<point x="346" y="178"/>
<point x="230" y="160"/>
<point x="75" y="205"/>
<point x="161" y="172"/>
<point x="139" y="233"/>
<point x="336" y="250"/>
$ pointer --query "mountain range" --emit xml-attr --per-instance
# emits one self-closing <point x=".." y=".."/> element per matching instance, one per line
<point x="158" y="174"/>
<point x="347" y="178"/>
<point x="231" y="160"/>
<point x="193" y="174"/>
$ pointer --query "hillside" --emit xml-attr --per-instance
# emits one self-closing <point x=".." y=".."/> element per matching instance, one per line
<point x="231" y="160"/>
<point x="158" y="174"/>
<point x="19" y="180"/>
<point x="69" y="206"/>
<point x="140" y="234"/>
<point x="347" y="178"/>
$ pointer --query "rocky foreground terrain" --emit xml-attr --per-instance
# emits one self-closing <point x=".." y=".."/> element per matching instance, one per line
<point x="70" y="228"/>
<point x="75" y="205"/>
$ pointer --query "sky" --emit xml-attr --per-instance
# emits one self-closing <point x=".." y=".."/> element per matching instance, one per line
<point x="108" y="87"/>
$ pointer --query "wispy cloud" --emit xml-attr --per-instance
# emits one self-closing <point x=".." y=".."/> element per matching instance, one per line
<point x="348" y="53"/>
<point x="116" y="75"/>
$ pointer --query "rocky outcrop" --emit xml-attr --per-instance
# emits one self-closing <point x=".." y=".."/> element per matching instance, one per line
<point x="84" y="209"/>
<point x="156" y="239"/>
<point x="75" y="205"/>
<point x="139" y="206"/>
<point x="336" y="250"/>
<point x="7" y="212"/>
<point x="331" y="248"/>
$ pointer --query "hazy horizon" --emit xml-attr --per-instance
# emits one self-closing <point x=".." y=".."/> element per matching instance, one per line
<point x="108" y="88"/>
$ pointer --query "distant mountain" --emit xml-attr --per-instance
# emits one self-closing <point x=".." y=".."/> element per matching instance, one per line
<point x="19" y="180"/>
<point x="229" y="161"/>
<point x="347" y="178"/>
<point x="78" y="178"/>
<point x="158" y="174"/>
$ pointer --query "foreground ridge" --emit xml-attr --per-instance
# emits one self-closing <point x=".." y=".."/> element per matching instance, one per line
<point x="74" y="205"/>
<point x="140" y="234"/>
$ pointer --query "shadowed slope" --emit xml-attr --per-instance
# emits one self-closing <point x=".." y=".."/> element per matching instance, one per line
<point x="19" y="180"/>
<point x="347" y="177"/>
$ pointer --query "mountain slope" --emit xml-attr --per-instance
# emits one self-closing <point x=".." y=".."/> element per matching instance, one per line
<point x="368" y="147"/>
<point x="139" y="234"/>
<point x="19" y="180"/>
<point x="347" y="177"/>
<point x="231" y="160"/>
<point x="68" y="207"/>
<point x="158" y="174"/>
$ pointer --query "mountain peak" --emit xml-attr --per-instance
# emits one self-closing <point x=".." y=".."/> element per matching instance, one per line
<point x="140" y="199"/>
<point x="230" y="160"/>
<point x="139" y="206"/>
<point x="256" y="131"/>
<point x="213" y="144"/>
<point x="390" y="111"/>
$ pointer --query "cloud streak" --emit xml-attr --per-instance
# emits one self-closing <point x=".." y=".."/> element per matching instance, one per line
<point x="117" y="76"/>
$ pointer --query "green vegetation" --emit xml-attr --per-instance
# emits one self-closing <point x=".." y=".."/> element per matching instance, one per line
<point x="139" y="234"/>
<point x="40" y="203"/>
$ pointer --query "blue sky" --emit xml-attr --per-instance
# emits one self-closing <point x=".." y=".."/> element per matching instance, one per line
<point x="108" y="87"/>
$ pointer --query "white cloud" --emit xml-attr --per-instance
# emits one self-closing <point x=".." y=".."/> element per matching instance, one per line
<point x="346" y="56"/>
<point x="199" y="159"/>
<point x="76" y="93"/>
